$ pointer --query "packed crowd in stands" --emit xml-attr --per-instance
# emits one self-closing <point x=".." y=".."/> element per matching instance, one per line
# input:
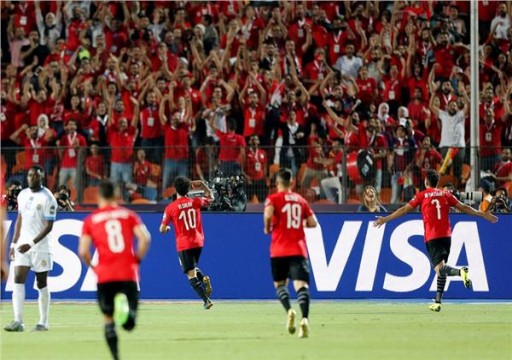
<point x="143" y="91"/>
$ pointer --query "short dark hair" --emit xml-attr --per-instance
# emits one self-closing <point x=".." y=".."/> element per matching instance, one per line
<point x="231" y="124"/>
<point x="37" y="168"/>
<point x="432" y="177"/>
<point x="285" y="175"/>
<point x="63" y="187"/>
<point x="107" y="189"/>
<point x="182" y="185"/>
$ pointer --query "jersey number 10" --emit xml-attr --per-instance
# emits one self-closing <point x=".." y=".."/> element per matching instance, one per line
<point x="293" y="215"/>
<point x="189" y="217"/>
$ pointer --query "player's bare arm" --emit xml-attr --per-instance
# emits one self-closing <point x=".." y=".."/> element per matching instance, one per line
<point x="267" y="219"/>
<point x="469" y="210"/>
<point x="47" y="229"/>
<point x="311" y="222"/>
<point x="84" y="249"/>
<point x="144" y="239"/>
<point x="381" y="220"/>
<point x="202" y="185"/>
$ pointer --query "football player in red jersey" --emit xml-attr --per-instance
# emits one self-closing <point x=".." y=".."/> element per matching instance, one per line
<point x="285" y="216"/>
<point x="111" y="230"/>
<point x="435" y="205"/>
<point x="185" y="215"/>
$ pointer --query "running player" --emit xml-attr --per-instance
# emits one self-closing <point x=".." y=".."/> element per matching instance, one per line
<point x="435" y="205"/>
<point x="285" y="216"/>
<point x="31" y="247"/>
<point x="111" y="229"/>
<point x="185" y="215"/>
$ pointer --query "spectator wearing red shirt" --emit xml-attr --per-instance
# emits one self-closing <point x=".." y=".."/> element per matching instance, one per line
<point x="232" y="148"/>
<point x="150" y="126"/>
<point x="176" y="135"/>
<point x="427" y="157"/>
<point x="317" y="69"/>
<point x="400" y="161"/>
<point x="378" y="147"/>
<point x="74" y="27"/>
<point x="418" y="110"/>
<point x="142" y="175"/>
<point x="393" y="84"/>
<point x="256" y="170"/>
<point x="444" y="54"/>
<point x="503" y="170"/>
<point x="252" y="28"/>
<point x="337" y="39"/>
<point x="490" y="139"/>
<point x="94" y="166"/>
<point x="368" y="89"/>
<point x="27" y="136"/>
<point x="335" y="172"/>
<point x="315" y="166"/>
<point x="121" y="137"/>
<point x="300" y="29"/>
<point x="71" y="146"/>
<point x="254" y="112"/>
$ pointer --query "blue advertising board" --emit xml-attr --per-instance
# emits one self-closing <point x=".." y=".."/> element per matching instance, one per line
<point x="349" y="259"/>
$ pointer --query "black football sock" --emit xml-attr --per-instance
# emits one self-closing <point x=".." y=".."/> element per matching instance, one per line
<point x="111" y="337"/>
<point x="449" y="271"/>
<point x="199" y="274"/>
<point x="303" y="300"/>
<point x="284" y="296"/>
<point x="198" y="288"/>
<point x="441" y="282"/>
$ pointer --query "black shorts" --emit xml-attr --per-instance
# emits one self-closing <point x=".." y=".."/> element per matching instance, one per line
<point x="107" y="291"/>
<point x="439" y="249"/>
<point x="189" y="258"/>
<point x="290" y="267"/>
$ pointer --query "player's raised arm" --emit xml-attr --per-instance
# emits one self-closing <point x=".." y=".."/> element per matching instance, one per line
<point x="469" y="210"/>
<point x="398" y="213"/>
<point x="144" y="239"/>
<point x="202" y="185"/>
<point x="268" y="213"/>
<point x="84" y="249"/>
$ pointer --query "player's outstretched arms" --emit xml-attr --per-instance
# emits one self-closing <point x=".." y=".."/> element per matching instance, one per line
<point x="469" y="210"/>
<point x="381" y="220"/>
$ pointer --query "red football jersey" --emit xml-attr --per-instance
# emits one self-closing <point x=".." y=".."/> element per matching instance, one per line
<point x="111" y="229"/>
<point x="288" y="238"/>
<point x="185" y="214"/>
<point x="435" y="206"/>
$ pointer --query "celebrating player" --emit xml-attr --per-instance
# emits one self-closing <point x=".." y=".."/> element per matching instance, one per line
<point x="286" y="214"/>
<point x="31" y="247"/>
<point x="435" y="205"/>
<point x="185" y="214"/>
<point x="111" y="229"/>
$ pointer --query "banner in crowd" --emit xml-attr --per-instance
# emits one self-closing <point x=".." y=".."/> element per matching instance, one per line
<point x="349" y="259"/>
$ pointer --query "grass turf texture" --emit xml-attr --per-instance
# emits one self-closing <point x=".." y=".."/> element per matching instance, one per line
<point x="256" y="330"/>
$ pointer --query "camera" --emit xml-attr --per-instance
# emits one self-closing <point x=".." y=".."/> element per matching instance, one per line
<point x="468" y="197"/>
<point x="63" y="197"/>
<point x="228" y="192"/>
<point x="10" y="199"/>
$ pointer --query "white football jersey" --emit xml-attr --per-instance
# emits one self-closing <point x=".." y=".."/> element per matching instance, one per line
<point x="35" y="209"/>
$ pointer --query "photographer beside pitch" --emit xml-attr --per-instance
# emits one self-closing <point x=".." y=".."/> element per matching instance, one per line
<point x="435" y="206"/>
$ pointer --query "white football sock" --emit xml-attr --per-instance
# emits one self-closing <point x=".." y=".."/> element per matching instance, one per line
<point x="18" y="298"/>
<point x="44" y="305"/>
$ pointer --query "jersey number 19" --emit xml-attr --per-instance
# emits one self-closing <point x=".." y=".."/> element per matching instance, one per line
<point x="293" y="215"/>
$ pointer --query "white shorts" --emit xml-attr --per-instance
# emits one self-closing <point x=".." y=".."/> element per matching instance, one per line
<point x="38" y="261"/>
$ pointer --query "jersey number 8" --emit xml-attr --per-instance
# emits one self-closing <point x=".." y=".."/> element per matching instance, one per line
<point x="115" y="237"/>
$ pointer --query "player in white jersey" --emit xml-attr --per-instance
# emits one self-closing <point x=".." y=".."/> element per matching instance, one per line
<point x="31" y="247"/>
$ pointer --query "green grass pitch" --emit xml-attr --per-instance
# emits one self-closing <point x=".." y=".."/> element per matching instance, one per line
<point x="256" y="330"/>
